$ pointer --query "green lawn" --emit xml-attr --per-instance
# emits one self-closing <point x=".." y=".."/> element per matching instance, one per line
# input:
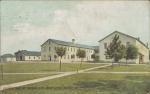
<point x="89" y="84"/>
<point x="43" y="67"/>
<point x="7" y="79"/>
<point x="124" y="68"/>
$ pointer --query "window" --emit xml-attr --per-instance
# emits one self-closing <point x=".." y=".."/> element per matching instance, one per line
<point x="34" y="57"/>
<point x="49" y="48"/>
<point x="39" y="57"/>
<point x="68" y="56"/>
<point x="105" y="45"/>
<point x="64" y="57"/>
<point x="128" y="43"/>
<point x="107" y="57"/>
<point x="68" y="48"/>
<point x="29" y="57"/>
<point x="55" y="56"/>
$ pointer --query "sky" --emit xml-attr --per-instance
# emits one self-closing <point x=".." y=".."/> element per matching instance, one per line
<point x="25" y="25"/>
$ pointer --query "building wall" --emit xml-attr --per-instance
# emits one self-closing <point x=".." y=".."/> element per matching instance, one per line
<point x="24" y="58"/>
<point x="142" y="50"/>
<point x="32" y="57"/>
<point x="20" y="57"/>
<point x="48" y="53"/>
<point x="8" y="59"/>
<point x="124" y="39"/>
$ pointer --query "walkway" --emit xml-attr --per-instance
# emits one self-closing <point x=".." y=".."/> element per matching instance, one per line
<point x="18" y="84"/>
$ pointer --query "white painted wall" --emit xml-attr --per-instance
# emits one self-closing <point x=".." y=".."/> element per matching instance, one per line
<point x="8" y="59"/>
<point x="46" y="53"/>
<point x="124" y="40"/>
<point x="33" y="58"/>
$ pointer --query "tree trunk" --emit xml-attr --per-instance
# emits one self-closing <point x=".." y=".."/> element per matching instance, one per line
<point x="81" y="63"/>
<point x="60" y="65"/>
<point x="126" y="61"/>
<point x="2" y="71"/>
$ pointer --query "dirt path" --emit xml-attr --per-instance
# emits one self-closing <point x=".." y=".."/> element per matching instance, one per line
<point x="18" y="84"/>
<point x="117" y="72"/>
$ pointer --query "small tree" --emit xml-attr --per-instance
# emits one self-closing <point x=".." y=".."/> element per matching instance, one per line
<point x="93" y="56"/>
<point x="72" y="57"/>
<point x="81" y="54"/>
<point x="61" y="51"/>
<point x="2" y="73"/>
<point x="131" y="52"/>
<point x="115" y="50"/>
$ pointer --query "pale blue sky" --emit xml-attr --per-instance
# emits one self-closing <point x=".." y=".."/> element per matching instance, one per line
<point x="27" y="24"/>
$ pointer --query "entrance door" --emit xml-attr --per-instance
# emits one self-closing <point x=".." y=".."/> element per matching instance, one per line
<point x="49" y="58"/>
<point x="141" y="59"/>
<point x="20" y="58"/>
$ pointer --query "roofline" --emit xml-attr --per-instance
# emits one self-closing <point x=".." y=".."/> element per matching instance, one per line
<point x="74" y="46"/>
<point x="125" y="35"/>
<point x="45" y="42"/>
<point x="63" y="44"/>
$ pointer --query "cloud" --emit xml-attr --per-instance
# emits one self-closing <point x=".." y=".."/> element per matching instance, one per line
<point x="87" y="22"/>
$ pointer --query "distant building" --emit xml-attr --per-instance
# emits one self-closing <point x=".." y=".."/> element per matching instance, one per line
<point x="25" y="55"/>
<point x="8" y="58"/>
<point x="48" y="50"/>
<point x="143" y="50"/>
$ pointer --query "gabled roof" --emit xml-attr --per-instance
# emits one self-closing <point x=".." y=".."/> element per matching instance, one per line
<point x="96" y="47"/>
<point x="124" y="35"/>
<point x="7" y="55"/>
<point x="64" y="43"/>
<point x="29" y="53"/>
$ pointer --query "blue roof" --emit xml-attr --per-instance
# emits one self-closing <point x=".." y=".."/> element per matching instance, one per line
<point x="7" y="55"/>
<point x="29" y="53"/>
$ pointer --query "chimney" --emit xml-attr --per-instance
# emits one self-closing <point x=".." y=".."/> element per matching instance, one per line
<point x="73" y="41"/>
<point x="138" y="38"/>
<point x="147" y="44"/>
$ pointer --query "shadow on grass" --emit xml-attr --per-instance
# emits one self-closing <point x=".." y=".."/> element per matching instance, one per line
<point x="120" y="86"/>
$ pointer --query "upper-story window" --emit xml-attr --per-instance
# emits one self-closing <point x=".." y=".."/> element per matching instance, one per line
<point x="105" y="45"/>
<point x="49" y="48"/>
<point x="128" y="43"/>
<point x="68" y="48"/>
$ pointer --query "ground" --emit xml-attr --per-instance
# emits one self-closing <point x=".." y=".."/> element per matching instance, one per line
<point x="92" y="83"/>
<point x="43" y="67"/>
<point x="16" y="72"/>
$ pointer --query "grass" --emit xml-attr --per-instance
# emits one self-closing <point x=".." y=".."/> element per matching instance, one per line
<point x="128" y="68"/>
<point x="89" y="84"/>
<point x="7" y="79"/>
<point x="43" y="67"/>
<point x="35" y="68"/>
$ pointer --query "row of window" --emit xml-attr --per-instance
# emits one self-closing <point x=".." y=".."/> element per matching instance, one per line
<point x="68" y="57"/>
<point x="72" y="49"/>
<point x="34" y="57"/>
<point x="105" y="44"/>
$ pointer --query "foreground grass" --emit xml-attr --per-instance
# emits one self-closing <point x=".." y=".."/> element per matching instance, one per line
<point x="89" y="84"/>
<point x="7" y="79"/>
<point x="43" y="67"/>
<point x="126" y="68"/>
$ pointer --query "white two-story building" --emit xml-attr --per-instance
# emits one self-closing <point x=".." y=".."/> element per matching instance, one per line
<point x="48" y="50"/>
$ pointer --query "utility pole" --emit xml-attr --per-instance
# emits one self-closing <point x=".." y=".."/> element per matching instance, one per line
<point x="2" y="71"/>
